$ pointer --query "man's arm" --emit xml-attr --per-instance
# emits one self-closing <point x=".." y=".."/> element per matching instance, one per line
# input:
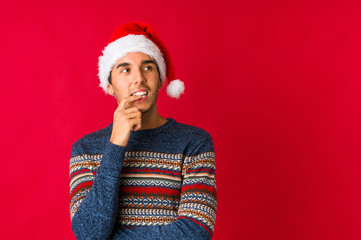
<point x="198" y="202"/>
<point x="94" y="199"/>
<point x="180" y="229"/>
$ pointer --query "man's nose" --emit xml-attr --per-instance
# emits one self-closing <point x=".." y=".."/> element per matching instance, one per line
<point x="138" y="77"/>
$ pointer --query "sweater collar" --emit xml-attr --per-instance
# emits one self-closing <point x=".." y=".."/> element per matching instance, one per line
<point x="169" y="123"/>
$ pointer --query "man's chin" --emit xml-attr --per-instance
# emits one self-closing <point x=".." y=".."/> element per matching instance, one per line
<point x="143" y="110"/>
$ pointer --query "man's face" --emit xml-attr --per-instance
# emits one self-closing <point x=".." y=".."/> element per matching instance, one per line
<point x="136" y="73"/>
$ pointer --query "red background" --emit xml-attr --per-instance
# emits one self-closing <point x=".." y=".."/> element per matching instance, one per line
<point x="276" y="84"/>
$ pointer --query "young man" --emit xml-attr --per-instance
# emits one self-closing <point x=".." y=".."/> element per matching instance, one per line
<point x="143" y="176"/>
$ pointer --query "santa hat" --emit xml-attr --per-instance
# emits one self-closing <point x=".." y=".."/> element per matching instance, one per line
<point x="139" y="37"/>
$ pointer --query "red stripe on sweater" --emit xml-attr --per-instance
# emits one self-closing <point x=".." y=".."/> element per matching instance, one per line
<point x="203" y="169"/>
<point x="81" y="186"/>
<point x="150" y="170"/>
<point x="149" y="191"/>
<point x="84" y="170"/>
<point x="199" y="187"/>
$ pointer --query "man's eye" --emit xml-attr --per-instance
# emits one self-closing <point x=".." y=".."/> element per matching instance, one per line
<point x="149" y="68"/>
<point x="125" y="70"/>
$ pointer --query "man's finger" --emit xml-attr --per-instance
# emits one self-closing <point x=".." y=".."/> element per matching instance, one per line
<point x="133" y="114"/>
<point x="131" y="109"/>
<point x="137" y="123"/>
<point x="123" y="103"/>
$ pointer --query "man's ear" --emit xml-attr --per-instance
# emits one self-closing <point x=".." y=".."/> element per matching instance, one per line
<point x="160" y="84"/>
<point x="110" y="89"/>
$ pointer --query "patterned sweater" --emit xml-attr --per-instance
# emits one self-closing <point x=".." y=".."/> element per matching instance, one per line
<point x="161" y="186"/>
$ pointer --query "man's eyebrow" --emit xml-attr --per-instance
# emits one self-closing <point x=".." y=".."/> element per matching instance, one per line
<point x="148" y="61"/>
<point x="123" y="64"/>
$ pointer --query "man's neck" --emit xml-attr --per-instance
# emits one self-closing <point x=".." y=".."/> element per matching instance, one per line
<point x="152" y="119"/>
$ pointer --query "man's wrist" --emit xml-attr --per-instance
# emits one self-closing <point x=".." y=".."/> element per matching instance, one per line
<point x="118" y="142"/>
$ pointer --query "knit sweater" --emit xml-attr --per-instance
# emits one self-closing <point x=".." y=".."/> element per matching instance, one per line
<point x="160" y="186"/>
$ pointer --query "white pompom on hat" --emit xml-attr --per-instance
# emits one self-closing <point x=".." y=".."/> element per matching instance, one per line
<point x="139" y="37"/>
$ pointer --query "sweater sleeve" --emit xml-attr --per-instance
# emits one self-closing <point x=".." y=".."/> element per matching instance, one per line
<point x="94" y="189"/>
<point x="198" y="202"/>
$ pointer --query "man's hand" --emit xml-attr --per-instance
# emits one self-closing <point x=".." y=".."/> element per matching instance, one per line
<point x="125" y="119"/>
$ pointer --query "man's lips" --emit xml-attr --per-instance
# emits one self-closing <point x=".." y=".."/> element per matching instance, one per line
<point x="143" y="93"/>
<point x="140" y="92"/>
<point x="142" y="99"/>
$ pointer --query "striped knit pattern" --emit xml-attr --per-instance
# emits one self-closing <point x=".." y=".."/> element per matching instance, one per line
<point x="155" y="188"/>
<point x="149" y="188"/>
<point x="198" y="198"/>
<point x="82" y="173"/>
<point x="160" y="186"/>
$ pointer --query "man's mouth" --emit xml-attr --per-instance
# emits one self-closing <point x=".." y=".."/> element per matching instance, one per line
<point x="143" y="94"/>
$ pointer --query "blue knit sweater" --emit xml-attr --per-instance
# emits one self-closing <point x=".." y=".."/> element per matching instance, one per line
<point x="161" y="186"/>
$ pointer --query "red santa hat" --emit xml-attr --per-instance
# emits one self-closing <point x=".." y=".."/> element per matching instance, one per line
<point x="139" y="37"/>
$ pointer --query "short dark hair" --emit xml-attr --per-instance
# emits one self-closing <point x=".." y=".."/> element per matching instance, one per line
<point x="110" y="77"/>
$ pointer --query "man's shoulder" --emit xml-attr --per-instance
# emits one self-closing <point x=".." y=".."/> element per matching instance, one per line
<point x="94" y="143"/>
<point x="194" y="139"/>
<point x="191" y="131"/>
